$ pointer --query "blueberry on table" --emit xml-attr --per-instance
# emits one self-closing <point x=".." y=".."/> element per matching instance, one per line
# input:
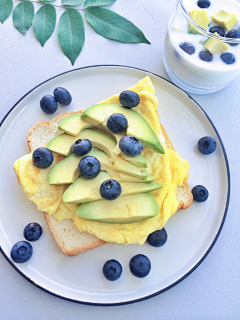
<point x="32" y="231"/>
<point x="112" y="270"/>
<point x="117" y="123"/>
<point x="89" y="167"/>
<point x="110" y="189"/>
<point x="207" y="145"/>
<point x="140" y="266"/>
<point x="42" y="158"/>
<point x="130" y="146"/>
<point x="234" y="34"/>
<point x="217" y="29"/>
<point x="187" y="47"/>
<point x="82" y="147"/>
<point x="48" y="104"/>
<point x="157" y="238"/>
<point x="129" y="99"/>
<point x="200" y="193"/>
<point x="206" y="56"/>
<point x="203" y="4"/>
<point x="228" y="58"/>
<point x="21" y="251"/>
<point x="62" y="96"/>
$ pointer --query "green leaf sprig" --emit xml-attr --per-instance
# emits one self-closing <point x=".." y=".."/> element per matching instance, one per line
<point x="71" y="29"/>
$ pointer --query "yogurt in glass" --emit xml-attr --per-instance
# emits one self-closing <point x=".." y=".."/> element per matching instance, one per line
<point x="188" y="71"/>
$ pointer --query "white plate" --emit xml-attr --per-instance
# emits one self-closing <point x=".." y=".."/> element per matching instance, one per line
<point x="191" y="233"/>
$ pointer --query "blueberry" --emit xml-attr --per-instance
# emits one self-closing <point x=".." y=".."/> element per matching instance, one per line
<point x="140" y="266"/>
<point x="187" y="47"/>
<point x="217" y="29"/>
<point x="32" y="231"/>
<point x="82" y="147"/>
<point x="205" y="56"/>
<point x="235" y="34"/>
<point x="200" y="193"/>
<point x="112" y="270"/>
<point x="110" y="189"/>
<point x="203" y="3"/>
<point x="130" y="146"/>
<point x="129" y="99"/>
<point x="89" y="167"/>
<point x="207" y="145"/>
<point x="42" y="158"/>
<point x="62" y="96"/>
<point x="117" y="123"/>
<point x="157" y="238"/>
<point x="21" y="251"/>
<point x="48" y="104"/>
<point x="228" y="58"/>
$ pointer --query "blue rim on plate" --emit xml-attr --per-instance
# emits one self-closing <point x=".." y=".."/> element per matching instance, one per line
<point x="209" y="248"/>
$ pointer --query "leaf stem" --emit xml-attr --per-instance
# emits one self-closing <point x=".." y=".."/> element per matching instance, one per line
<point x="54" y="5"/>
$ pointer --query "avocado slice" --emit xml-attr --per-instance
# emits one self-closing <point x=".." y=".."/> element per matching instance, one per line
<point x="125" y="209"/>
<point x="225" y="20"/>
<point x="215" y="46"/>
<point x="137" y="125"/>
<point x="73" y="124"/>
<point x="200" y="16"/>
<point x="138" y="161"/>
<point x="66" y="170"/>
<point x="63" y="142"/>
<point x="83" y="190"/>
<point x="128" y="168"/>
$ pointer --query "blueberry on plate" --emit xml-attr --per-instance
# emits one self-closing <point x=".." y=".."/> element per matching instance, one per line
<point x="42" y="158"/>
<point x="228" y="58"/>
<point x="117" y="123"/>
<point x="48" y="104"/>
<point x="62" y="96"/>
<point x="203" y="4"/>
<point x="205" y="55"/>
<point x="112" y="270"/>
<point x="32" y="231"/>
<point x="200" y="193"/>
<point x="82" y="147"/>
<point x="207" y="145"/>
<point x="217" y="29"/>
<point x="187" y="47"/>
<point x="129" y="99"/>
<point x="157" y="238"/>
<point x="140" y="266"/>
<point x="21" y="251"/>
<point x="89" y="167"/>
<point x="110" y="189"/>
<point x="235" y="34"/>
<point x="130" y="146"/>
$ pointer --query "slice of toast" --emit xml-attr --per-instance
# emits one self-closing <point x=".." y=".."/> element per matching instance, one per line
<point x="68" y="237"/>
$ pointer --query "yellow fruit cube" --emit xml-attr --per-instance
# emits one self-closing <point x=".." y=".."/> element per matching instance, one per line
<point x="201" y="18"/>
<point x="215" y="46"/>
<point x="225" y="20"/>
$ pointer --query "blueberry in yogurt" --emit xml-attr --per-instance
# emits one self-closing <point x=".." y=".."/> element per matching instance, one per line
<point x="203" y="4"/>
<point x="187" y="47"/>
<point x="228" y="58"/>
<point x="205" y="55"/>
<point x="217" y="29"/>
<point x="235" y="34"/>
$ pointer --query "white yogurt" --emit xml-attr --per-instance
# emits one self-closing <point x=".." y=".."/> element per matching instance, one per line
<point x="189" y="71"/>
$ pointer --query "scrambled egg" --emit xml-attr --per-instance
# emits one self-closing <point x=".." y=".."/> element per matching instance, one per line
<point x="168" y="169"/>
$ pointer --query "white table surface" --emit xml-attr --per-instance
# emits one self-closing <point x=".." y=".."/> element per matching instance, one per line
<point x="212" y="290"/>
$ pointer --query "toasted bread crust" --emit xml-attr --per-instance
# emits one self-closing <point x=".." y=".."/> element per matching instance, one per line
<point x="83" y="240"/>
